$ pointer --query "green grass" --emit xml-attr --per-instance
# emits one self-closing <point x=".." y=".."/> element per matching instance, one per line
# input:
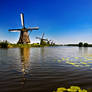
<point x="6" y="44"/>
<point x="28" y="45"/>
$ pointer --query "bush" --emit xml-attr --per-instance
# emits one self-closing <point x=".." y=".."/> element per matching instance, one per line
<point x="80" y="44"/>
<point x="85" y="44"/>
<point x="4" y="44"/>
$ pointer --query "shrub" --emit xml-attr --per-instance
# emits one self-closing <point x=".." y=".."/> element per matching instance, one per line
<point x="4" y="44"/>
<point x="85" y="44"/>
<point x="80" y="44"/>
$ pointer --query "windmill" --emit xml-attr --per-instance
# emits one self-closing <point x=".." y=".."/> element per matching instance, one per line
<point x="42" y="40"/>
<point x="48" y="42"/>
<point x="24" y="35"/>
<point x="52" y="43"/>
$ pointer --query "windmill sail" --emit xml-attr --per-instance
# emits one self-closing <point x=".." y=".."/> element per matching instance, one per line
<point x="42" y="40"/>
<point x="33" y="28"/>
<point x="38" y="38"/>
<point x="22" y="19"/>
<point x="42" y="35"/>
<point x="15" y="30"/>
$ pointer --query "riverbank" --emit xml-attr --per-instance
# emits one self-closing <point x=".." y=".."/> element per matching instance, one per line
<point x="23" y="45"/>
<point x="9" y="45"/>
<point x="80" y="44"/>
<point x="88" y="45"/>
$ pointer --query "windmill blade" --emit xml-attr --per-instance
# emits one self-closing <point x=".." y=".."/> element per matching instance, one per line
<point x="38" y="38"/>
<point x="45" y="39"/>
<point x="42" y="35"/>
<point x="22" y="19"/>
<point x="14" y="30"/>
<point x="33" y="28"/>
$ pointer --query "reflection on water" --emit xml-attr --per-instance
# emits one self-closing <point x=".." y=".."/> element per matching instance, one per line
<point x="42" y="51"/>
<point x="45" y="69"/>
<point x="80" y="51"/>
<point x="82" y="60"/>
<point x="83" y="51"/>
<point x="25" y="56"/>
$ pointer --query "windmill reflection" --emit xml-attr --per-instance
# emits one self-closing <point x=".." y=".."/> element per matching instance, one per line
<point x="42" y="52"/>
<point x="25" y="56"/>
<point x="80" y="51"/>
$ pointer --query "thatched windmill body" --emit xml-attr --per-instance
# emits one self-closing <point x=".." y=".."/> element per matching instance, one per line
<point x="42" y="40"/>
<point x="24" y="35"/>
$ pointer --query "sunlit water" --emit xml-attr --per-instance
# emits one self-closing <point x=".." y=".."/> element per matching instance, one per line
<point x="45" y="69"/>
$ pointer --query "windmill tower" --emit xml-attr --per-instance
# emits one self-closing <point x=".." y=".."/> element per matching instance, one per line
<point x="48" y="42"/>
<point x="24" y="35"/>
<point x="42" y="40"/>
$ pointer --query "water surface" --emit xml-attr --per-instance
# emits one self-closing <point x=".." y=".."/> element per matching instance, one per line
<point x="45" y="69"/>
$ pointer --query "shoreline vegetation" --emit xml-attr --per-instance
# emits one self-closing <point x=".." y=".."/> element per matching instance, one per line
<point x="6" y="44"/>
<point x="80" y="44"/>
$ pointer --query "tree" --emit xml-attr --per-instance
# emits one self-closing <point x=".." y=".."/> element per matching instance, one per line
<point x="4" y="44"/>
<point x="85" y="44"/>
<point x="80" y="44"/>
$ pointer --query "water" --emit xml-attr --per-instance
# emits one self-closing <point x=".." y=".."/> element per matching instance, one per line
<point x="45" y="69"/>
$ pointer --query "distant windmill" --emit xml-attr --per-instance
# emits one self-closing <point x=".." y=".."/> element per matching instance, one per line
<point x="24" y="35"/>
<point x="52" y="43"/>
<point x="48" y="42"/>
<point x="42" y="39"/>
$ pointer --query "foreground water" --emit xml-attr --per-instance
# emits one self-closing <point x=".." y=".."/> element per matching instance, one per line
<point x="45" y="69"/>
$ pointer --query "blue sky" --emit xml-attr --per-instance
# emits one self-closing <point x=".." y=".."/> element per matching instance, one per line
<point x="64" y="21"/>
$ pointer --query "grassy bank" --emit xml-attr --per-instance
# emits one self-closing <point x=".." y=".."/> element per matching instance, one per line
<point x="6" y="44"/>
<point x="27" y="45"/>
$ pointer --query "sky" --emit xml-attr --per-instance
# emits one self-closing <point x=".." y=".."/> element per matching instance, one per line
<point x="63" y="21"/>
